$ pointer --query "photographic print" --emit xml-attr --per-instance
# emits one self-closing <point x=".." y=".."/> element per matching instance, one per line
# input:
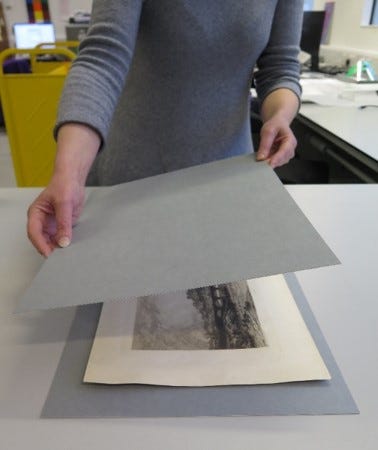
<point x="216" y="317"/>
<point x="248" y="332"/>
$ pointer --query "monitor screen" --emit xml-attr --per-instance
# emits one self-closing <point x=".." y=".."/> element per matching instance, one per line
<point x="312" y="29"/>
<point x="28" y="35"/>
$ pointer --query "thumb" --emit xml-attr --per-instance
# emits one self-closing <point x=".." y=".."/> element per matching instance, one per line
<point x="63" y="217"/>
<point x="267" y="137"/>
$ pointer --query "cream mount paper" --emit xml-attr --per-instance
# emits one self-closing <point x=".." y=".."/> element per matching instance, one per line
<point x="170" y="340"/>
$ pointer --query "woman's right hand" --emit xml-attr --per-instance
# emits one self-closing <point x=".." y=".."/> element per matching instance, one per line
<point x="57" y="208"/>
<point x="53" y="214"/>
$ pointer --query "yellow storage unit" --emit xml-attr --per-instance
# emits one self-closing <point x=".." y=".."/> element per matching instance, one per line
<point x="30" y="104"/>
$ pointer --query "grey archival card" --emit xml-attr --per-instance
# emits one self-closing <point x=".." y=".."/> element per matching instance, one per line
<point x="69" y="397"/>
<point x="225" y="221"/>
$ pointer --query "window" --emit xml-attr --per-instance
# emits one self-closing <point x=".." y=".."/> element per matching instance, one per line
<point x="308" y="5"/>
<point x="374" y="13"/>
<point x="370" y="13"/>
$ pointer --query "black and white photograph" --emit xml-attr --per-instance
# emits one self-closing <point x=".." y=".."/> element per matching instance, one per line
<point x="216" y="317"/>
<point x="248" y="332"/>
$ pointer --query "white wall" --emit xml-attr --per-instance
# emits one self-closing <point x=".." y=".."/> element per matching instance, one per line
<point x="347" y="31"/>
<point x="60" y="10"/>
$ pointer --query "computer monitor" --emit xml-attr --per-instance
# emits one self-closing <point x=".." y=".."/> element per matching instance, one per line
<point x="28" y="35"/>
<point x="312" y="29"/>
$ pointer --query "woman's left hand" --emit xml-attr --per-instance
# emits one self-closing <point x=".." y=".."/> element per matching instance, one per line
<point x="277" y="142"/>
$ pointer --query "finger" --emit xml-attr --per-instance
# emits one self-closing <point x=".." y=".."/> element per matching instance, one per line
<point x="63" y="215"/>
<point x="267" y="137"/>
<point x="285" y="152"/>
<point x="76" y="214"/>
<point x="35" y="230"/>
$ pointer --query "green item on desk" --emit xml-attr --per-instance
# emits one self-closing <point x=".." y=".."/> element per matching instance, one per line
<point x="362" y="70"/>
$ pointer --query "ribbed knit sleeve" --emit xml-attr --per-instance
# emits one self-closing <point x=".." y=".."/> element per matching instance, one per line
<point x="97" y="76"/>
<point x="278" y="66"/>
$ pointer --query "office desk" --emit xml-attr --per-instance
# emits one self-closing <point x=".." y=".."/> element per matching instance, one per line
<point x="343" y="299"/>
<point x="347" y="135"/>
<point x="336" y="131"/>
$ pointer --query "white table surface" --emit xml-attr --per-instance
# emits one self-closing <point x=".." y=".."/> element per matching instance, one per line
<point x="358" y="127"/>
<point x="343" y="298"/>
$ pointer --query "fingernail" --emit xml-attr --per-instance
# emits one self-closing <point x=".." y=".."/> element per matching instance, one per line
<point x="64" y="242"/>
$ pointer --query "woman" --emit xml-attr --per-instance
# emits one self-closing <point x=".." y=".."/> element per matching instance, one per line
<point x="164" y="84"/>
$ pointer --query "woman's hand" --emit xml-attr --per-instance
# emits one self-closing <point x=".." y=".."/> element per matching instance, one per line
<point x="277" y="142"/>
<point x="53" y="214"/>
<point x="57" y="208"/>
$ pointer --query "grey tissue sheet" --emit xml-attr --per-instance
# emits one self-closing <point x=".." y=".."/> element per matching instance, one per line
<point x="69" y="397"/>
<point x="215" y="223"/>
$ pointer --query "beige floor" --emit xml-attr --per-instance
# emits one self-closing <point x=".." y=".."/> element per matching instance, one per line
<point x="7" y="178"/>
